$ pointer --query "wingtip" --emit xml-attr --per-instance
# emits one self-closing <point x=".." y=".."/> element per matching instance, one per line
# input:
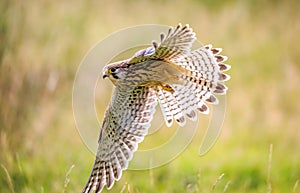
<point x="155" y="44"/>
<point x="208" y="46"/>
<point x="212" y="100"/>
<point x="224" y="67"/>
<point x="169" y="122"/>
<point x="192" y="115"/>
<point x="203" y="109"/>
<point x="221" y="58"/>
<point x="216" y="51"/>
<point x="223" y="77"/>
<point x="180" y="121"/>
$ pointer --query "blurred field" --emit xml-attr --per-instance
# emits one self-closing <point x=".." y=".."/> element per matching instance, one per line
<point x="43" y="42"/>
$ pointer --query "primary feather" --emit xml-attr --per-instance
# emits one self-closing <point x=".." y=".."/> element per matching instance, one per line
<point x="181" y="80"/>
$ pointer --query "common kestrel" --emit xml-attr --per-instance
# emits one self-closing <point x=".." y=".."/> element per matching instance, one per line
<point x="182" y="81"/>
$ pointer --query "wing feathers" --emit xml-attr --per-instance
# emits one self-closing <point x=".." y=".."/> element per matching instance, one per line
<point x="176" y="43"/>
<point x="130" y="112"/>
<point x="126" y="123"/>
<point x="204" y="79"/>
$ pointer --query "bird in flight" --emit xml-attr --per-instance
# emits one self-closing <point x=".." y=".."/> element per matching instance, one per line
<point x="181" y="80"/>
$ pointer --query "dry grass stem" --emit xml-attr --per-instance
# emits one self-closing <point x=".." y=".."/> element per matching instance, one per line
<point x="124" y="187"/>
<point x="217" y="182"/>
<point x="295" y="186"/>
<point x="269" y="169"/>
<point x="226" y="186"/>
<point x="67" y="180"/>
<point x="9" y="181"/>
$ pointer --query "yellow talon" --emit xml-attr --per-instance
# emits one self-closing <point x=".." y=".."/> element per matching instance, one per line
<point x="168" y="88"/>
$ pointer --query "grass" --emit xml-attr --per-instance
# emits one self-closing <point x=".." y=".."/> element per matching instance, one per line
<point x="42" y="44"/>
<point x="67" y="180"/>
<point x="9" y="181"/>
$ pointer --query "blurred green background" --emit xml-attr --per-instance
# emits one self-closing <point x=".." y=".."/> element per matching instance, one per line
<point x="43" y="42"/>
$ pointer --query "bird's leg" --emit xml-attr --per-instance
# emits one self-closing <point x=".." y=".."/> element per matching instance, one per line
<point x="164" y="86"/>
<point x="167" y="88"/>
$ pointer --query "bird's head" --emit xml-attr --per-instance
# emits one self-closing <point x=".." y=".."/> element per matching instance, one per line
<point x="115" y="71"/>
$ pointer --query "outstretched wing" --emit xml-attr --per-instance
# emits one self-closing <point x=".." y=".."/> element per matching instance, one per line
<point x="126" y="122"/>
<point x="204" y="79"/>
<point x="176" y="43"/>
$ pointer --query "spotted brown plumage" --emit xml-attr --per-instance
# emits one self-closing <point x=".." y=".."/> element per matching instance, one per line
<point x="180" y="80"/>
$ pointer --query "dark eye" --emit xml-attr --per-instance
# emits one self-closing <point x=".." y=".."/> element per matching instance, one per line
<point x="113" y="70"/>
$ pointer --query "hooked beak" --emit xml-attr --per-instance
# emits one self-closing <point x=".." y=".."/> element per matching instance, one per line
<point x="105" y="74"/>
